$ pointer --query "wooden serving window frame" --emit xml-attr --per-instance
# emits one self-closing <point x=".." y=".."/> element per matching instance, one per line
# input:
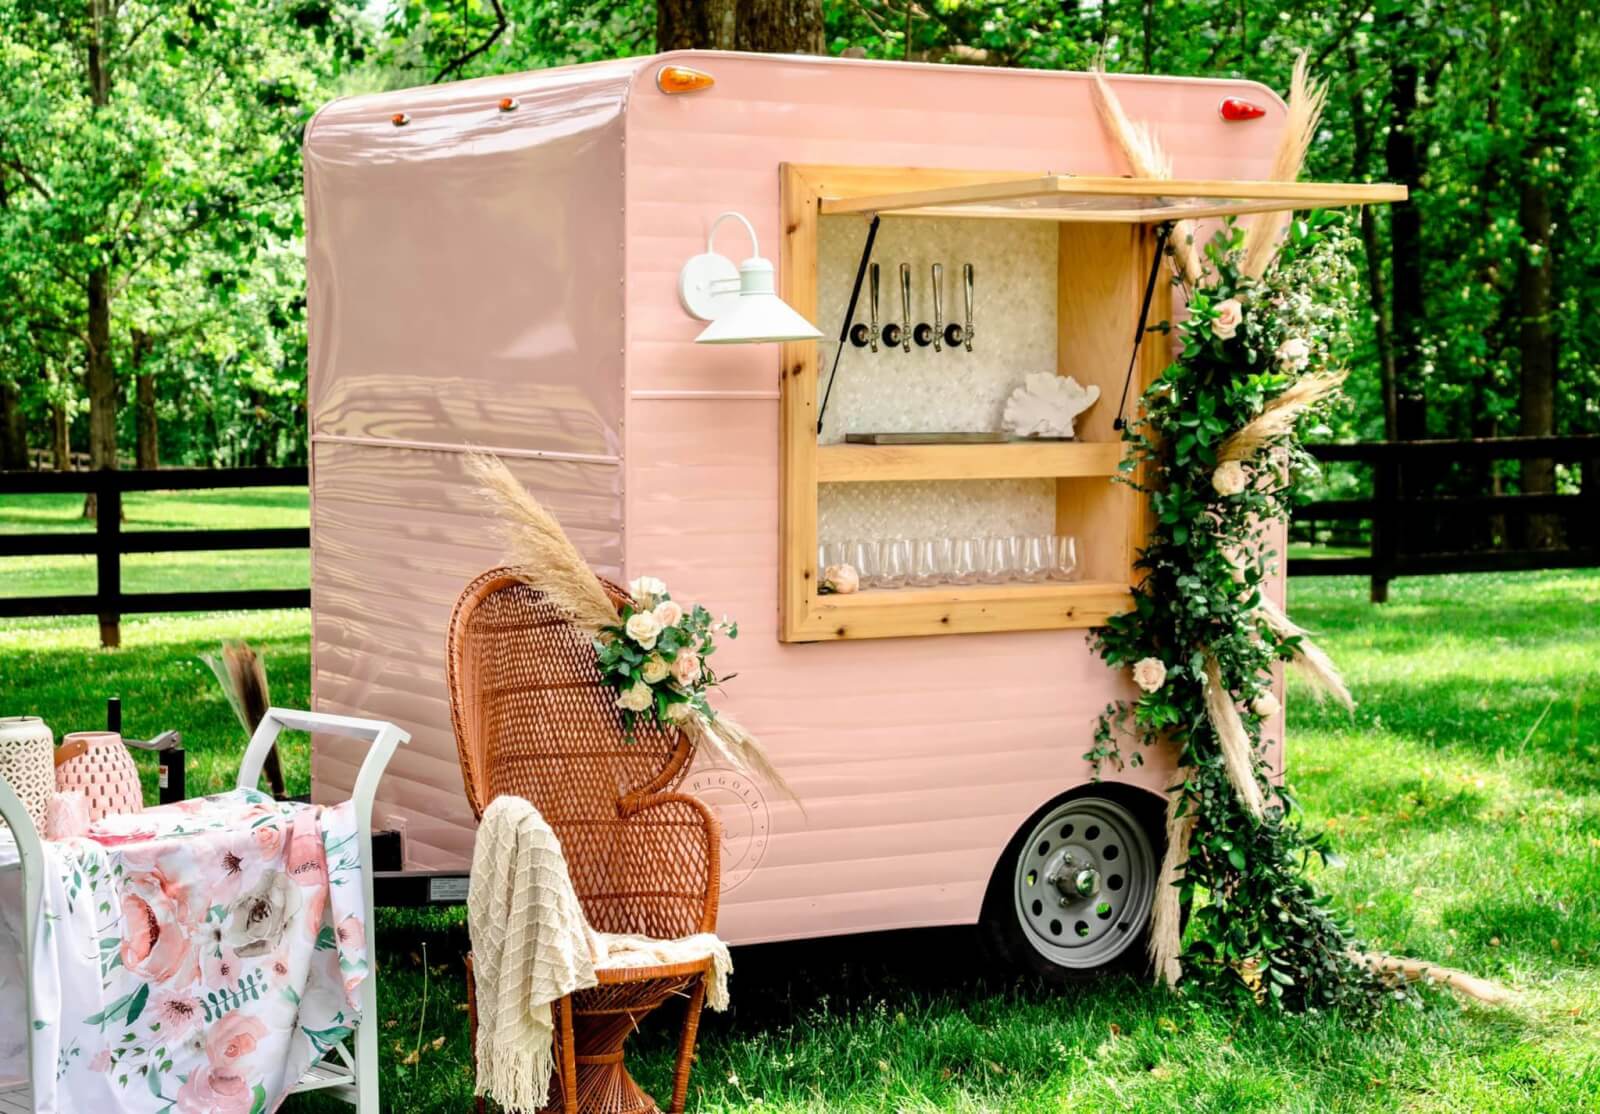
<point x="1104" y="255"/>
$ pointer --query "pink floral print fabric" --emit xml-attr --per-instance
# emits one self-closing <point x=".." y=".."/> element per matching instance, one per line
<point x="195" y="958"/>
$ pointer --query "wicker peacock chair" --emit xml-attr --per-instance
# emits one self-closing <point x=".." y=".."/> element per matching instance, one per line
<point x="533" y="717"/>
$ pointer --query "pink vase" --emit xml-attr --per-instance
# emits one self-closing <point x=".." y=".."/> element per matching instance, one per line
<point x="103" y="771"/>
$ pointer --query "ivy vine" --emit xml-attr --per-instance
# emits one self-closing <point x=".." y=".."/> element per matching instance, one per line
<point x="1257" y="928"/>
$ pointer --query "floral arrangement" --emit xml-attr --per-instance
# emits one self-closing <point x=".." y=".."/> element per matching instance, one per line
<point x="651" y="649"/>
<point x="1217" y="450"/>
<point x="657" y="656"/>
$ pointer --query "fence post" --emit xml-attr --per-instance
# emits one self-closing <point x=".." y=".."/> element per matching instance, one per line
<point x="1385" y="489"/>
<point x="108" y="555"/>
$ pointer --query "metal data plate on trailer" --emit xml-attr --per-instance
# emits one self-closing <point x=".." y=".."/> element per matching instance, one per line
<point x="448" y="889"/>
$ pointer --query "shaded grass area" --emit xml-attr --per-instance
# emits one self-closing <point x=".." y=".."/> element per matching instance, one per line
<point x="1462" y="793"/>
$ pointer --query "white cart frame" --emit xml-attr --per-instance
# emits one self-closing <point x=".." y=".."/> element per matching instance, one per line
<point x="351" y="1077"/>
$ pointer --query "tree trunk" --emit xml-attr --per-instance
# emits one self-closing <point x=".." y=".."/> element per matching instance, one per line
<point x="13" y="433"/>
<point x="147" y="450"/>
<point x="1362" y="129"/>
<point x="1404" y="166"/>
<point x="1536" y="275"/>
<point x="764" y="26"/>
<point x="60" y="442"/>
<point x="102" y="373"/>
<point x="101" y="379"/>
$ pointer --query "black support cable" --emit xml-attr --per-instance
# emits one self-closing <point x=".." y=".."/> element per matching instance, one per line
<point x="849" y="317"/>
<point x="1163" y="230"/>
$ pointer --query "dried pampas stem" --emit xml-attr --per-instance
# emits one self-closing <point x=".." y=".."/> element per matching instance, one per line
<point x="1400" y="968"/>
<point x="1306" y="100"/>
<point x="729" y="741"/>
<point x="1233" y="740"/>
<point x="1278" y="417"/>
<point x="1166" y="915"/>
<point x="540" y="550"/>
<point x="1147" y="159"/>
<point x="242" y="673"/>
<point x="1310" y="659"/>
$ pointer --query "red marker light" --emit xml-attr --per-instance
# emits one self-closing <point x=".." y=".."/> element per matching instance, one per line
<point x="1234" y="109"/>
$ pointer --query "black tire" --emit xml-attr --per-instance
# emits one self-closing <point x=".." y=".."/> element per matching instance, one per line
<point x="1025" y="943"/>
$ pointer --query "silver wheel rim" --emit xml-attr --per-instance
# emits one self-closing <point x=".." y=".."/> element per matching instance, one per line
<point x="1084" y="883"/>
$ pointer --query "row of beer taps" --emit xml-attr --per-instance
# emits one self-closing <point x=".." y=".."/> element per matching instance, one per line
<point x="901" y="334"/>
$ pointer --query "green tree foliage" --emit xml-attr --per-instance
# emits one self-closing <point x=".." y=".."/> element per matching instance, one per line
<point x="183" y="185"/>
<point x="150" y="210"/>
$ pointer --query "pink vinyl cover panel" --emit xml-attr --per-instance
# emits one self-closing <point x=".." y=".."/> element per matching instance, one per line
<point x="506" y="280"/>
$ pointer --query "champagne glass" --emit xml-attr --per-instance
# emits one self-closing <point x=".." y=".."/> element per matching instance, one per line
<point x="894" y="562"/>
<point x="996" y="567"/>
<point x="864" y="556"/>
<point x="1064" y="557"/>
<point x="929" y="562"/>
<point x="966" y="560"/>
<point x="1033" y="557"/>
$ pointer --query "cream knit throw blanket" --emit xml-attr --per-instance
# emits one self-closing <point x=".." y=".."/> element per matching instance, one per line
<point x="531" y="945"/>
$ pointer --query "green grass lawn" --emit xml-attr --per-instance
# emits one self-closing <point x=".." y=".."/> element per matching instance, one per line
<point x="1464" y="795"/>
<point x="251" y="508"/>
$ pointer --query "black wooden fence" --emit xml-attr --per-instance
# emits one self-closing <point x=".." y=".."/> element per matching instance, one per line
<point x="1414" y="528"/>
<point x="1426" y="517"/>
<point x="109" y="541"/>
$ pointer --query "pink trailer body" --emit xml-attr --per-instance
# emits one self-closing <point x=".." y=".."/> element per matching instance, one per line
<point x="505" y="280"/>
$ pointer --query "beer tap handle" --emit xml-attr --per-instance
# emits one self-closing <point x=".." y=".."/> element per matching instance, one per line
<point x="873" y="292"/>
<point x="938" y="307"/>
<point x="966" y="282"/>
<point x="905" y="305"/>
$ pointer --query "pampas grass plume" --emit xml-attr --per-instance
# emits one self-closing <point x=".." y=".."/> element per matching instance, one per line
<point x="1233" y="740"/>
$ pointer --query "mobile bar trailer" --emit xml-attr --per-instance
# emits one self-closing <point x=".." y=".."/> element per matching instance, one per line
<point x="493" y="265"/>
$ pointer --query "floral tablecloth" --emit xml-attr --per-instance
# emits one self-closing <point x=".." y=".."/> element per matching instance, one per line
<point x="194" y="958"/>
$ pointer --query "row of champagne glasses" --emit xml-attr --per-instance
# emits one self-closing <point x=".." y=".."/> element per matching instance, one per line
<point x="926" y="562"/>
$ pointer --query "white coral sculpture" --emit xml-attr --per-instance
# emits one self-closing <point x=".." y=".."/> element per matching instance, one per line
<point x="1047" y="405"/>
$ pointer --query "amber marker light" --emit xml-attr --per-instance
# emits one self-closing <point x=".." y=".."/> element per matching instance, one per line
<point x="682" y="79"/>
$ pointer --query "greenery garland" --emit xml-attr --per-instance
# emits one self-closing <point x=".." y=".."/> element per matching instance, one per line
<point x="1216" y="449"/>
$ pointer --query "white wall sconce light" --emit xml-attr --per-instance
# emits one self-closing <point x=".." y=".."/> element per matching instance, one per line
<point x="741" y="302"/>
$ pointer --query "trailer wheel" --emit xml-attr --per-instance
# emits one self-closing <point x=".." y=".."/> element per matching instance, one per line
<point x="1071" y="897"/>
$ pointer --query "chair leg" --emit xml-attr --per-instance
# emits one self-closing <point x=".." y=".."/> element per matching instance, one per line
<point x="472" y="1035"/>
<point x="691" y="1027"/>
<point x="569" y="1056"/>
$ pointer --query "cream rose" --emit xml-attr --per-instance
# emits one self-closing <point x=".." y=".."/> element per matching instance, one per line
<point x="1229" y="478"/>
<point x="655" y="669"/>
<point x="1149" y="673"/>
<point x="1226" y="322"/>
<point x="646" y="590"/>
<point x="1293" y="354"/>
<point x="668" y="614"/>
<point x="1266" y="705"/>
<point x="679" y="712"/>
<point x="643" y="628"/>
<point x="636" y="698"/>
<point x="842" y="579"/>
<point x="686" y="668"/>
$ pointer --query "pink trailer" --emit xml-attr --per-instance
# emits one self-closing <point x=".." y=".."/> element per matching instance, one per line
<point x="493" y="265"/>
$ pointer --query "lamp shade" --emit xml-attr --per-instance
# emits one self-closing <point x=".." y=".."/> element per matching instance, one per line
<point x="759" y="316"/>
<point x="742" y="304"/>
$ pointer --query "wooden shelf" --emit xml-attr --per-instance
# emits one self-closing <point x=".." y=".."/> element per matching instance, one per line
<point x="1066" y="197"/>
<point x="1008" y="460"/>
<point x="952" y="609"/>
